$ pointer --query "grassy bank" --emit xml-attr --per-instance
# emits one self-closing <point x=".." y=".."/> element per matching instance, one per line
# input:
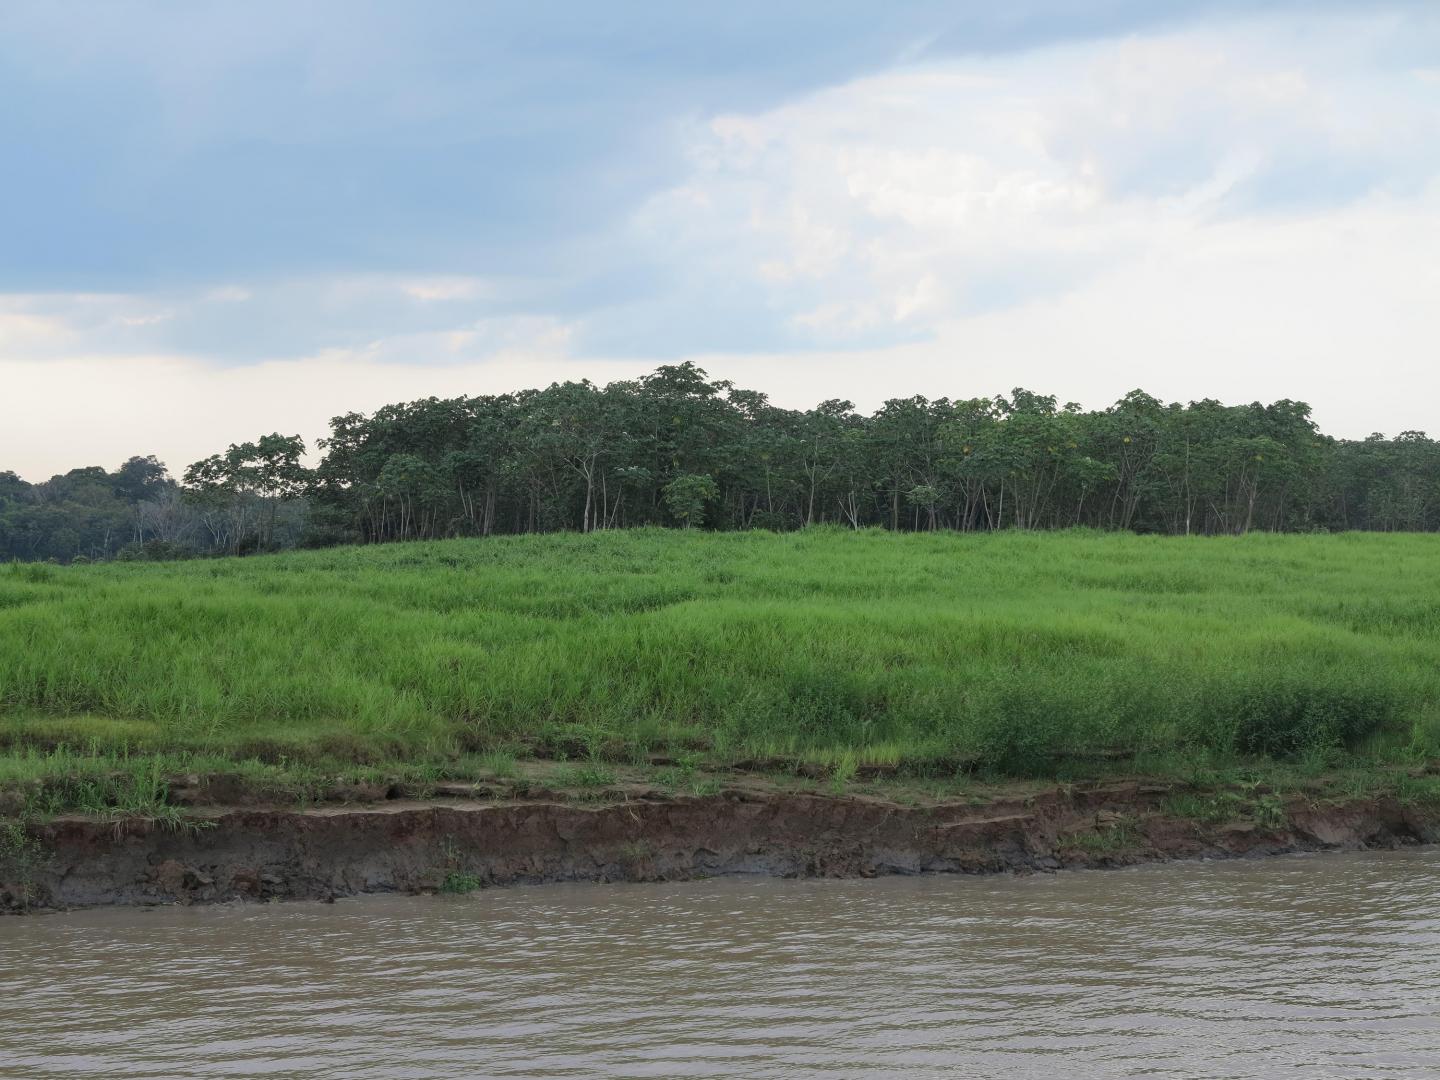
<point x="1017" y="654"/>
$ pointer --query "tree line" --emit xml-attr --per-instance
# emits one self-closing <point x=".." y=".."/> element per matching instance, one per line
<point x="678" y="448"/>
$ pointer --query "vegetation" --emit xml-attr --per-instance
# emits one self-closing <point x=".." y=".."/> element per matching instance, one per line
<point x="676" y="448"/>
<point x="459" y="884"/>
<point x="935" y="654"/>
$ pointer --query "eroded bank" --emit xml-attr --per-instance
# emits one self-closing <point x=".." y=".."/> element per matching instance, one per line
<point x="458" y="843"/>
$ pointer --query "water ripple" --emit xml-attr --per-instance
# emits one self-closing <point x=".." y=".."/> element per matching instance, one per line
<point x="1310" y="967"/>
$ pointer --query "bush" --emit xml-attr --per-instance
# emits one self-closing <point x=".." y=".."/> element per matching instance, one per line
<point x="1285" y="717"/>
<point x="153" y="551"/>
<point x="35" y="573"/>
<point x="774" y="521"/>
<point x="824" y="706"/>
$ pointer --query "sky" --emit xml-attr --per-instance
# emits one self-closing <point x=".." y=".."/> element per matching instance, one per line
<point x="219" y="220"/>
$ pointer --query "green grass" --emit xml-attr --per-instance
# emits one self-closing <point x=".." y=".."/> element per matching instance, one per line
<point x="588" y="775"/>
<point x="1209" y="808"/>
<point x="1216" y="807"/>
<point x="1014" y="653"/>
<point x="1108" y="839"/>
<point x="456" y="883"/>
<point x="500" y="763"/>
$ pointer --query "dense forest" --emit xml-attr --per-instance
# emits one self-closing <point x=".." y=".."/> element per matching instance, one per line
<point x="678" y="448"/>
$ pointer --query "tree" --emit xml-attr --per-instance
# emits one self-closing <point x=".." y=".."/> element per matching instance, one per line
<point x="686" y="496"/>
<point x="676" y="447"/>
<point x="259" y="475"/>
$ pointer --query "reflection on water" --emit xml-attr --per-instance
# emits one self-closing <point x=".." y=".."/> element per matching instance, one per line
<point x="1323" y="966"/>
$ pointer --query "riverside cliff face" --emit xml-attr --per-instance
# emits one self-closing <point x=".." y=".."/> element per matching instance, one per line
<point x="248" y="853"/>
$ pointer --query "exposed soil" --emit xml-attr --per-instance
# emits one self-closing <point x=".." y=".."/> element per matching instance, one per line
<point x="459" y="843"/>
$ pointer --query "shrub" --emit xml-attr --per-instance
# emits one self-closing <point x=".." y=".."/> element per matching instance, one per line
<point x="1286" y="716"/>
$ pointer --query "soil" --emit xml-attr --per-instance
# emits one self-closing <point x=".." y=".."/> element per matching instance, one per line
<point x="455" y="841"/>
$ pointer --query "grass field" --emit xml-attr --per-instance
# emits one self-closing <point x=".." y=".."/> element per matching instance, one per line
<point x="1015" y="653"/>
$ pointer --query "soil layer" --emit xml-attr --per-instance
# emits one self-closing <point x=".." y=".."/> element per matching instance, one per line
<point x="457" y="844"/>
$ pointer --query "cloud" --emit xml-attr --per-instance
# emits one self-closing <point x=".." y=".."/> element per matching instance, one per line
<point x="227" y="294"/>
<point x="101" y="410"/>
<point x="1244" y="209"/>
<point x="169" y="142"/>
<point x="1335" y="308"/>
<point x="272" y="319"/>
<point x="446" y="288"/>
<point x="885" y="207"/>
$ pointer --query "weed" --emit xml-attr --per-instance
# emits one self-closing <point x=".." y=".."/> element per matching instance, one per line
<point x="842" y="772"/>
<point x="636" y="850"/>
<point x="500" y="763"/>
<point x="459" y="883"/>
<point x="588" y="775"/>
<point x="1208" y="809"/>
<point x="427" y="774"/>
<point x="1269" y="812"/>
<point x="1417" y="790"/>
<point x="20" y="851"/>
<point x="1109" y="838"/>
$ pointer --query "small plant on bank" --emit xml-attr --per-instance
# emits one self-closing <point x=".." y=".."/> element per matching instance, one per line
<point x="636" y="850"/>
<point x="1417" y="790"/>
<point x="1270" y="812"/>
<point x="20" y="853"/>
<point x="673" y="778"/>
<point x="501" y="764"/>
<point x="115" y="789"/>
<point x="589" y="775"/>
<point x="1108" y="839"/>
<point x="1211" y="809"/>
<point x="456" y="880"/>
<point x="842" y="773"/>
<point x="457" y="883"/>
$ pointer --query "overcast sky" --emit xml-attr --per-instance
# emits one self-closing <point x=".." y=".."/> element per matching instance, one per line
<point x="223" y="219"/>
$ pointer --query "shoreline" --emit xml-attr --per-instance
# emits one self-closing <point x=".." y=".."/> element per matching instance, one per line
<point x="454" y="843"/>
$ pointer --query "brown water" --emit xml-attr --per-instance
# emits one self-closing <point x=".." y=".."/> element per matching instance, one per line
<point x="1303" y="967"/>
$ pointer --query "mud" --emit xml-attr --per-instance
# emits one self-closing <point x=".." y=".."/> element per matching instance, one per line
<point x="457" y="844"/>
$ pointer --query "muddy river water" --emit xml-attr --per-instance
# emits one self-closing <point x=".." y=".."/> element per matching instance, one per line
<point x="1297" y="967"/>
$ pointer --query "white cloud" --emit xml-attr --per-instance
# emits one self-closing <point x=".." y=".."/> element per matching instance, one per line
<point x="432" y="289"/>
<point x="1246" y="211"/>
<point x="100" y="410"/>
<point x="227" y="294"/>
<point x="917" y="196"/>
<point x="149" y="318"/>
<point x="27" y="331"/>
<point x="58" y="323"/>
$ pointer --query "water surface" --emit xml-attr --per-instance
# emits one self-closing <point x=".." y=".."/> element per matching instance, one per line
<point x="1304" y="967"/>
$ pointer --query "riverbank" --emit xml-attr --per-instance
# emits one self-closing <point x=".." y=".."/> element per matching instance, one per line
<point x="656" y="704"/>
<point x="469" y="836"/>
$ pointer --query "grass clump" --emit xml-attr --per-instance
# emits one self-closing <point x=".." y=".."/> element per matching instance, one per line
<point x="500" y="764"/>
<point x="1108" y="839"/>
<point x="458" y="883"/>
<point x="588" y="775"/>
<point x="1211" y="808"/>
<point x="20" y="852"/>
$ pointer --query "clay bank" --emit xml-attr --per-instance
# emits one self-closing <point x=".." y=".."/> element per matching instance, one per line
<point x="464" y="837"/>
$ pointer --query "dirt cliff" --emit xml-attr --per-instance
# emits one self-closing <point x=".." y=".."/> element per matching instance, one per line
<point x="456" y="844"/>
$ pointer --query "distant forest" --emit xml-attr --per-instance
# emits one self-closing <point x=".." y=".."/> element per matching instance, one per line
<point x="677" y="448"/>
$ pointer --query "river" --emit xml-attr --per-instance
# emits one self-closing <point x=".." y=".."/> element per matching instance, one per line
<point x="1298" y="967"/>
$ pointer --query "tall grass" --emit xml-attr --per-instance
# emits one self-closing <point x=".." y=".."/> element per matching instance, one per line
<point x="1006" y="650"/>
